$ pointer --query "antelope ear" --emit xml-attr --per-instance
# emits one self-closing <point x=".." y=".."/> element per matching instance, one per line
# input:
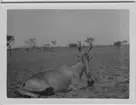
<point x="91" y="57"/>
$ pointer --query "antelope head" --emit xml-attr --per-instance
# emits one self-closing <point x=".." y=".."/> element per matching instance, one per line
<point x="84" y="58"/>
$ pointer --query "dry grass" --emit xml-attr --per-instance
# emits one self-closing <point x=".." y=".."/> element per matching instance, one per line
<point x="110" y="68"/>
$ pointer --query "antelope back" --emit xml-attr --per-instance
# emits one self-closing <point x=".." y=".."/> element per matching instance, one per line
<point x="57" y="79"/>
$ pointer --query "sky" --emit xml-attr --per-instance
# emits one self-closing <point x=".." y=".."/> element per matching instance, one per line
<point x="66" y="26"/>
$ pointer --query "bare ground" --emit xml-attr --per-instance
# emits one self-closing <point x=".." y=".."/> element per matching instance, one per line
<point x="110" y="68"/>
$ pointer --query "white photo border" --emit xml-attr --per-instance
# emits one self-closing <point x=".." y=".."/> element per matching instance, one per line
<point x="60" y="0"/>
<point x="3" y="61"/>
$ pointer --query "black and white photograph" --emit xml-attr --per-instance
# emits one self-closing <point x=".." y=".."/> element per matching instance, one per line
<point x="68" y="53"/>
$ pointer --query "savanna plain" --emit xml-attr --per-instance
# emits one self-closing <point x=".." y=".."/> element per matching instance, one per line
<point x="109" y="67"/>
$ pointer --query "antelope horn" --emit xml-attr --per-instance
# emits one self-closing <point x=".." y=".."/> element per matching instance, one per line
<point x="90" y="47"/>
<point x="78" y="54"/>
<point x="79" y="46"/>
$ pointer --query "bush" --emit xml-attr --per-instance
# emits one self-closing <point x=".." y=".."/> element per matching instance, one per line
<point x="117" y="44"/>
<point x="73" y="45"/>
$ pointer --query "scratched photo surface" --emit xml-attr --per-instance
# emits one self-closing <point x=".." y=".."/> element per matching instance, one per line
<point x="68" y="53"/>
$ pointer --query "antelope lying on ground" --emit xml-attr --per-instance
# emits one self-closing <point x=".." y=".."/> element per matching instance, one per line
<point x="64" y="79"/>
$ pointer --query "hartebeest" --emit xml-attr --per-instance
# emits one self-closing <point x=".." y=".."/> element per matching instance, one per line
<point x="65" y="78"/>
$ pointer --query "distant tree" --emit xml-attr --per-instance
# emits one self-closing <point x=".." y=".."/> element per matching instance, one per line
<point x="124" y="42"/>
<point x="48" y="45"/>
<point x="73" y="45"/>
<point x="32" y="42"/>
<point x="10" y="42"/>
<point x="54" y="42"/>
<point x="89" y="40"/>
<point x="45" y="46"/>
<point x="117" y="44"/>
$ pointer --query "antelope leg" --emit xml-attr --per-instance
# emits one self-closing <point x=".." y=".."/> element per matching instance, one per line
<point x="76" y="82"/>
<point x="72" y="87"/>
<point x="22" y="92"/>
